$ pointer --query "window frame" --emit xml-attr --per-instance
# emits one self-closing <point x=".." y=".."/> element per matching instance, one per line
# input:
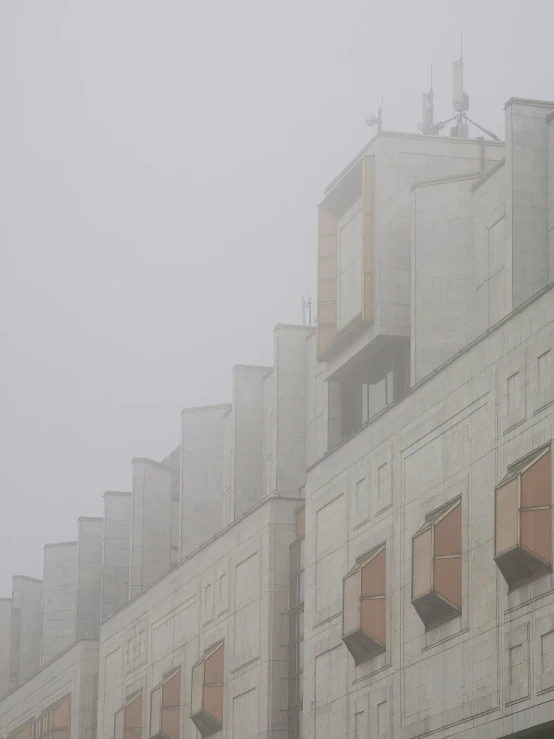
<point x="211" y="724"/>
<point x="160" y="686"/>
<point x="134" y="697"/>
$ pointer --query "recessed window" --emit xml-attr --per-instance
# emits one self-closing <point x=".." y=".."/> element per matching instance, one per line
<point x="206" y="706"/>
<point x="523" y="519"/>
<point x="52" y="724"/>
<point x="513" y="392"/>
<point x="364" y="606"/>
<point x="543" y="365"/>
<point x="165" y="707"/>
<point x="437" y="565"/>
<point x="128" y="720"/>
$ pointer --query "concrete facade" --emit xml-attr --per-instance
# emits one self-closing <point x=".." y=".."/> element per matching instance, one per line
<point x="5" y="628"/>
<point x="150" y="523"/>
<point x="59" y="598"/>
<point x="89" y="577"/>
<point x="25" y="628"/>
<point x="116" y="547"/>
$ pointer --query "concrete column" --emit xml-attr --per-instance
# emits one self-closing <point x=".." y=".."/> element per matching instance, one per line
<point x="527" y="195"/>
<point x="150" y="523"/>
<point x="89" y="577"/>
<point x="550" y="169"/>
<point x="59" y="598"/>
<point x="116" y="547"/>
<point x="25" y="630"/>
<point x="202" y="431"/>
<point x="173" y="460"/>
<point x="5" y="628"/>
<point x="291" y="406"/>
<point x="247" y="437"/>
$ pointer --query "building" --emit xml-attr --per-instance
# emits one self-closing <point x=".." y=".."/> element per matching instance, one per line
<point x="360" y="543"/>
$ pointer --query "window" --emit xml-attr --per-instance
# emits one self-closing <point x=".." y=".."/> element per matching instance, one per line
<point x="543" y="363"/>
<point x="206" y="706"/>
<point x="513" y="392"/>
<point x="128" y="720"/>
<point x="364" y="606"/>
<point x="296" y="629"/>
<point x="24" y="732"/>
<point x="53" y="723"/>
<point x="523" y="523"/>
<point x="165" y="707"/>
<point x="437" y="565"/>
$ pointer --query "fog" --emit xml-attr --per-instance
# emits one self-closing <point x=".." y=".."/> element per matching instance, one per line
<point x="160" y="167"/>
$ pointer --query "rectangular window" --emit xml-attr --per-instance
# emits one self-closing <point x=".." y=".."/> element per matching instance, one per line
<point x="437" y="565"/>
<point x="513" y="392"/>
<point x="165" y="707"/>
<point x="360" y="495"/>
<point x="54" y="723"/>
<point x="207" y="692"/>
<point x="543" y="363"/>
<point x="523" y="519"/>
<point x="364" y="606"/>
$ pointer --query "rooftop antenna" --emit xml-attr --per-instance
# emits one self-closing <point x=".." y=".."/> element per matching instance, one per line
<point x="376" y="120"/>
<point x="460" y="103"/>
<point x="428" y="127"/>
<point x="307" y="308"/>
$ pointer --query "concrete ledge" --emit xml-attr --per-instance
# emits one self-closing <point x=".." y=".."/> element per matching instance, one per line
<point x="201" y="408"/>
<point x="447" y="178"/>
<point x="90" y="518"/>
<point x="62" y="544"/>
<point x="153" y="462"/>
<point x="26" y="577"/>
<point x="116" y="492"/>
<point x="529" y="101"/>
<point x="488" y="174"/>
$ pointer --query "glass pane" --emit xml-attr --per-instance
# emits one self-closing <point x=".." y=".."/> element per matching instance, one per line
<point x="536" y="484"/>
<point x="448" y="533"/>
<point x="133" y="713"/>
<point x="301" y="587"/>
<point x="26" y="732"/>
<point x="197" y="689"/>
<point x="373" y="618"/>
<point x="377" y="397"/>
<point x="448" y="579"/>
<point x="61" y="714"/>
<point x="373" y="576"/>
<point x="421" y="564"/>
<point x="170" y="722"/>
<point x="155" y="711"/>
<point x="213" y="670"/>
<point x="118" y="724"/>
<point x="351" y="603"/>
<point x="506" y="517"/>
<point x="213" y="701"/>
<point x="172" y="691"/>
<point x="536" y="533"/>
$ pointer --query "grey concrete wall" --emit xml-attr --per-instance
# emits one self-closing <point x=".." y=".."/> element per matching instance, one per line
<point x="116" y="548"/>
<point x="527" y="195"/>
<point x="5" y="629"/>
<point x="234" y="588"/>
<point x="89" y="577"/>
<point x="492" y="258"/>
<point x="59" y="598"/>
<point x="72" y="673"/>
<point x="488" y="672"/>
<point x="442" y="314"/>
<point x="26" y="625"/>
<point x="173" y="461"/>
<point x="247" y="437"/>
<point x="316" y="405"/>
<point x="291" y="358"/>
<point x="202" y="432"/>
<point x="150" y="523"/>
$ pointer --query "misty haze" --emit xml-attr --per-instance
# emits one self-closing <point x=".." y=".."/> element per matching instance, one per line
<point x="278" y="370"/>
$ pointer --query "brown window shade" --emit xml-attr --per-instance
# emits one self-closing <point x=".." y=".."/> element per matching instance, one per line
<point x="326" y="281"/>
<point x="364" y="606"/>
<point x="165" y="707"/>
<point x="54" y="723"/>
<point x="207" y="692"/>
<point x="156" y="711"/>
<point x="119" y="724"/>
<point x="437" y="565"/>
<point x="523" y="519"/>
<point x="133" y="718"/>
<point x="171" y="695"/>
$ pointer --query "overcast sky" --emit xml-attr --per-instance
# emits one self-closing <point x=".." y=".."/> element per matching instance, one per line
<point x="160" y="167"/>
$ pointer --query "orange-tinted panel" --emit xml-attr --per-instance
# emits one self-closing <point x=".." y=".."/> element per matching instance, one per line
<point x="448" y="533"/>
<point x="213" y="701"/>
<point x="328" y="294"/>
<point x="373" y="576"/>
<point x="61" y="714"/>
<point x="536" y="532"/>
<point x="506" y="517"/>
<point x="373" y="618"/>
<point x="26" y="732"/>
<point x="448" y="579"/>
<point x="213" y="667"/>
<point x="170" y="722"/>
<point x="133" y="713"/>
<point x="327" y="270"/>
<point x="300" y="522"/>
<point x="171" y="691"/>
<point x="536" y="484"/>
<point x="368" y="205"/>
